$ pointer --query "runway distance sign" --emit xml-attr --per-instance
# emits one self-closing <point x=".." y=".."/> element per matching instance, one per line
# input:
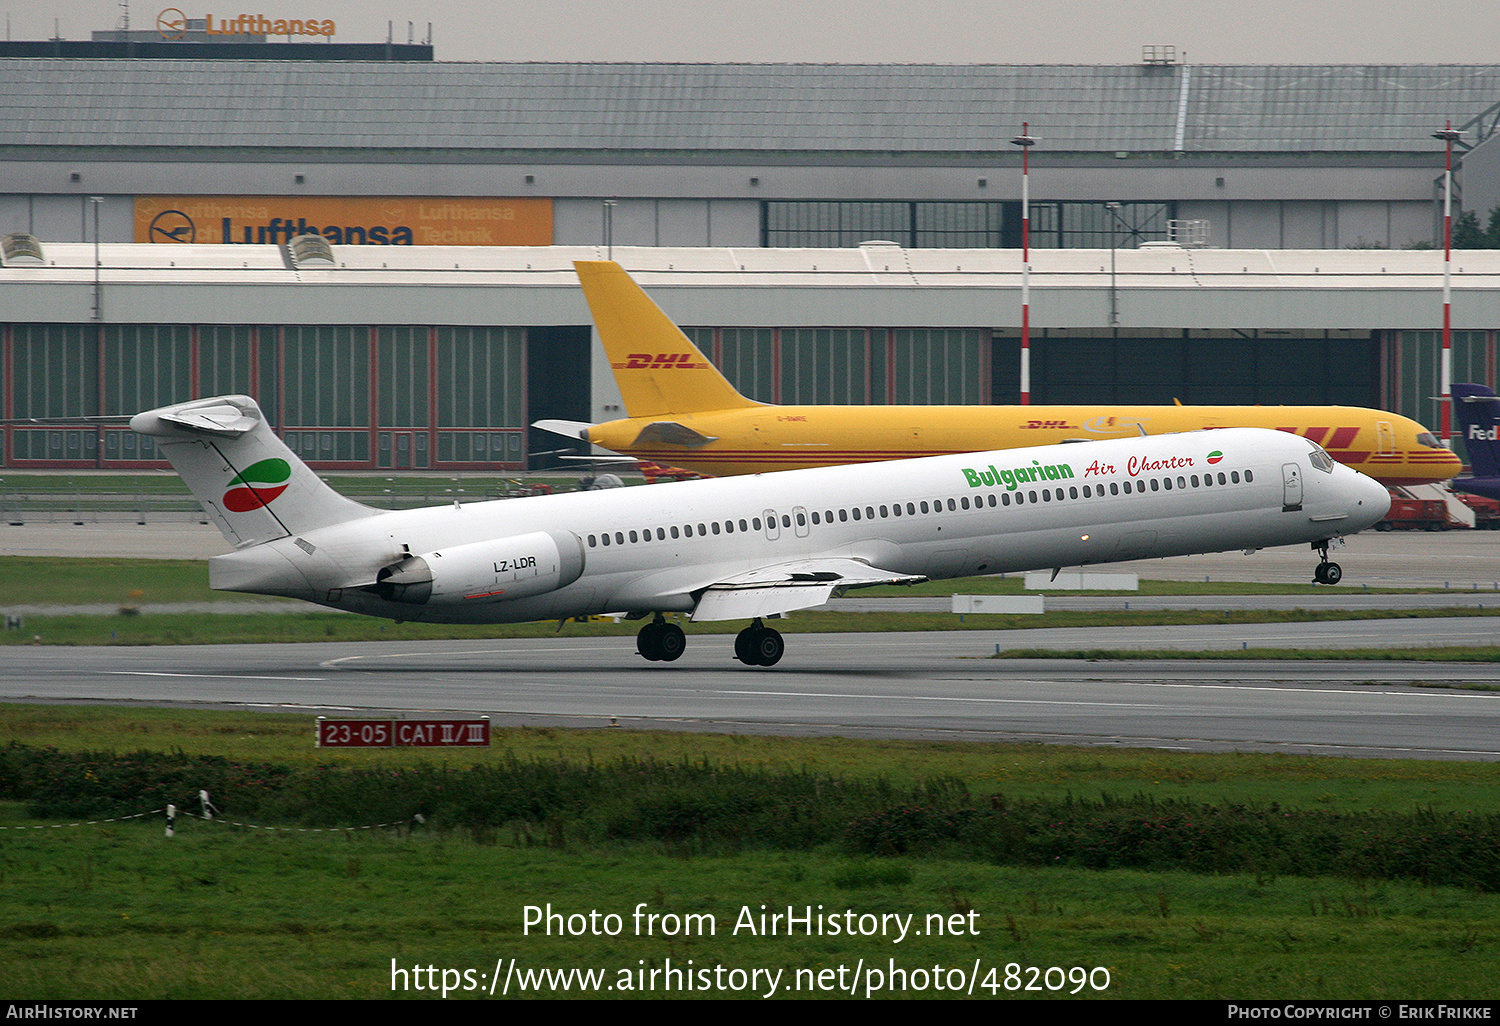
<point x="403" y="733"/>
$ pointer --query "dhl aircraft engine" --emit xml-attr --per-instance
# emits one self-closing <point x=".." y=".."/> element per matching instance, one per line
<point x="487" y="571"/>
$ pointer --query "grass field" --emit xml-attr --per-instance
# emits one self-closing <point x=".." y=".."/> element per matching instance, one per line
<point x="119" y="911"/>
<point x="128" y="584"/>
<point x="305" y="901"/>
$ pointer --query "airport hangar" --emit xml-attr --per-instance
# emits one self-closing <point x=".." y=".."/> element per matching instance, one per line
<point x="740" y="196"/>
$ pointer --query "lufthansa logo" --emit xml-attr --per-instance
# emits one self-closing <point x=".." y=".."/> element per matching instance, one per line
<point x="173" y="226"/>
<point x="171" y="24"/>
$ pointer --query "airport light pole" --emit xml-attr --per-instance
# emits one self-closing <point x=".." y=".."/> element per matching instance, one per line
<point x="1449" y="135"/>
<point x="1114" y="295"/>
<point x="1026" y="142"/>
<point x="96" y="202"/>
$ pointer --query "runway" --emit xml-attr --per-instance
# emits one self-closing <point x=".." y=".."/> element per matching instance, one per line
<point x="929" y="686"/>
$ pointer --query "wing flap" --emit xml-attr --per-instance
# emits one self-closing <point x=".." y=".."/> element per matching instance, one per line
<point x="767" y="591"/>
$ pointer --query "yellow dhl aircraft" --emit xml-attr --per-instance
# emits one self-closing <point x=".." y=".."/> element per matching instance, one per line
<point x="683" y="412"/>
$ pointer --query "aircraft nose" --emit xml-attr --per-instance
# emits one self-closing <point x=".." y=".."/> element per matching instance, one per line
<point x="1369" y="499"/>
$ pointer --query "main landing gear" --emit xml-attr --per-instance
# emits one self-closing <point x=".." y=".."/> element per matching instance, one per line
<point x="660" y="640"/>
<point x="758" y="645"/>
<point x="1327" y="572"/>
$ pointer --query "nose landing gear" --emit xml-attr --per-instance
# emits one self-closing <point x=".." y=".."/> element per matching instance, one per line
<point x="1326" y="572"/>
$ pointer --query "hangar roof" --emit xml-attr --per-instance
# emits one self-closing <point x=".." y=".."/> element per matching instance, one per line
<point x="813" y="108"/>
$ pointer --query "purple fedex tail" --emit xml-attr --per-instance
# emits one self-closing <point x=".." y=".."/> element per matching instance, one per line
<point x="1478" y="412"/>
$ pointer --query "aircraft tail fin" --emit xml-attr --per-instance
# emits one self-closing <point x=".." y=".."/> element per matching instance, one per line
<point x="248" y="481"/>
<point x="658" y="369"/>
<point x="1478" y="413"/>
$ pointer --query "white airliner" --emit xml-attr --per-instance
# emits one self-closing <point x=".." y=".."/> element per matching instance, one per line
<point x="748" y="547"/>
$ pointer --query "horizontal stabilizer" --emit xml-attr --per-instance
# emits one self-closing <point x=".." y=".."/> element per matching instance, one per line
<point x="213" y="418"/>
<point x="669" y="432"/>
<point x="566" y="428"/>
<point x="787" y="586"/>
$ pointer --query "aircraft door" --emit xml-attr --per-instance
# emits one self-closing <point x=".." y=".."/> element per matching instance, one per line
<point x="773" y="528"/>
<point x="800" y="521"/>
<point x="1385" y="438"/>
<point x="1291" y="487"/>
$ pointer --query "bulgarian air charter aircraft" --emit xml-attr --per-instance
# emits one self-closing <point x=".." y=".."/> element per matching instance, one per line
<point x="682" y="412"/>
<point x="747" y="548"/>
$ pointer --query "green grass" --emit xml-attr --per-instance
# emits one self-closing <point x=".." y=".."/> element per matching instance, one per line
<point x="1023" y="771"/>
<point x="45" y="580"/>
<point x="290" y="627"/>
<point x="117" y="911"/>
<point x="1431" y="654"/>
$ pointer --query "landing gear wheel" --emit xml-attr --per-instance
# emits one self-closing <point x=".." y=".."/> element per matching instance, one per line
<point x="1328" y="573"/>
<point x="648" y="643"/>
<point x="758" y="646"/>
<point x="768" y="647"/>
<point x="660" y="641"/>
<point x="670" y="642"/>
<point x="744" y="646"/>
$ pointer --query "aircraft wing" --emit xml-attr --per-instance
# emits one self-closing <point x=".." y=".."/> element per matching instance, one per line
<point x="787" y="586"/>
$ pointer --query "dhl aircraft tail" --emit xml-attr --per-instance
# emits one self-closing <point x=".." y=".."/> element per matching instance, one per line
<point x="658" y="370"/>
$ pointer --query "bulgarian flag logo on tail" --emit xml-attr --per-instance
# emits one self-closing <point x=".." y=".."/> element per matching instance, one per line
<point x="258" y="486"/>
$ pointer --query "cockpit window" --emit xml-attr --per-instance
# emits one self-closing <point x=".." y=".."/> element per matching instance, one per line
<point x="1430" y="440"/>
<point x="1320" y="460"/>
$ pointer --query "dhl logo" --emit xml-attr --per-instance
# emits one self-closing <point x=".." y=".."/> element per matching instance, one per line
<point x="661" y="361"/>
<point x="1341" y="438"/>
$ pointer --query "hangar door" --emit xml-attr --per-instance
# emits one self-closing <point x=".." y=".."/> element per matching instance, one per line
<point x="1238" y="371"/>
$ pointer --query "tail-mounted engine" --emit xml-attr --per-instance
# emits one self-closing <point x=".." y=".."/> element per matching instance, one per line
<point x="487" y="571"/>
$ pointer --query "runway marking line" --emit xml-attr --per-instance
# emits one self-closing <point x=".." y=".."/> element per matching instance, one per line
<point x="205" y="676"/>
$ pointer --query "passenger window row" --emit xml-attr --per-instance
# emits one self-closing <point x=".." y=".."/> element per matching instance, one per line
<point x="911" y="509"/>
